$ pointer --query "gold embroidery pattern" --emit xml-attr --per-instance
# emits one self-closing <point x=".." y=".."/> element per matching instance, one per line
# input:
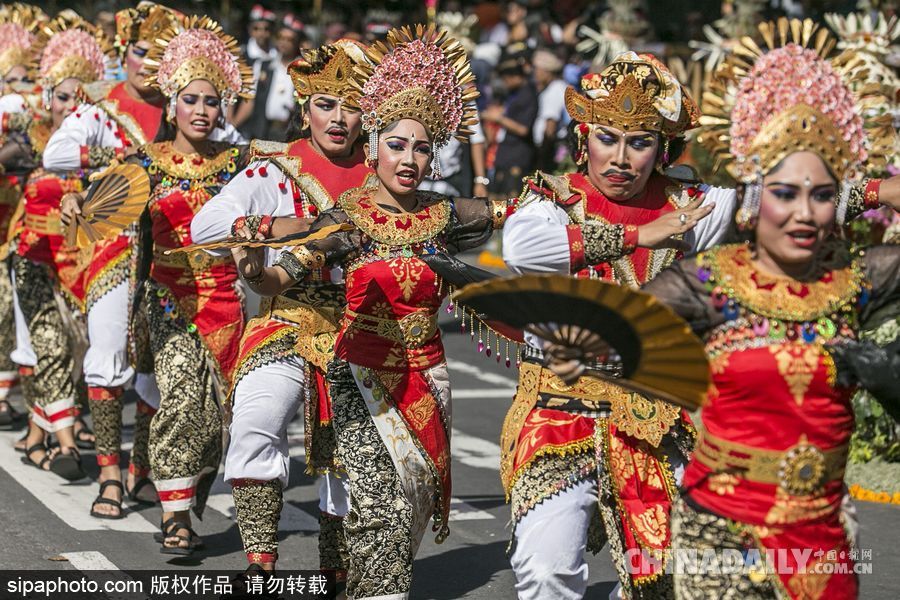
<point x="651" y="525"/>
<point x="186" y="166"/>
<point x="643" y="418"/>
<point x="811" y="584"/>
<point x="723" y="483"/>
<point x="525" y="399"/>
<point x="784" y="298"/>
<point x="407" y="272"/>
<point x="420" y="413"/>
<point x="797" y="365"/>
<point x="792" y="509"/>
<point x="396" y="229"/>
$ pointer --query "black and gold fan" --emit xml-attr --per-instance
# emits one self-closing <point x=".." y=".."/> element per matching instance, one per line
<point x="115" y="200"/>
<point x="293" y="239"/>
<point x="660" y="356"/>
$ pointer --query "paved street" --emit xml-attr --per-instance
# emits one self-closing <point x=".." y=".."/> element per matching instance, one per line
<point x="44" y="519"/>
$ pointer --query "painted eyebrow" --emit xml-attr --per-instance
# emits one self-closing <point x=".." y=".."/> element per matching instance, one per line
<point x="641" y="136"/>
<point x="797" y="187"/>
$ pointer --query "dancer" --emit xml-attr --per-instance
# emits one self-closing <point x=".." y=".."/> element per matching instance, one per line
<point x="778" y="316"/>
<point x="192" y="303"/>
<point x="44" y="268"/>
<point x="286" y="348"/>
<point x="564" y="455"/>
<point x="19" y="24"/>
<point x="117" y="119"/>
<point x="389" y="384"/>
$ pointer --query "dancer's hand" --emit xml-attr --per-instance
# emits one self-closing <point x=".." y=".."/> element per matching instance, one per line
<point x="250" y="262"/>
<point x="661" y="232"/>
<point x="70" y="205"/>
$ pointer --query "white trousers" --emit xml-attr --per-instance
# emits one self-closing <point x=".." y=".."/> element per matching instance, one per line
<point x="23" y="354"/>
<point x="551" y="539"/>
<point x="265" y="401"/>
<point x="106" y="362"/>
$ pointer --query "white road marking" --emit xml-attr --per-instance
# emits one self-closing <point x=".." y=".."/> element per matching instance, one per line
<point x="474" y="451"/>
<point x="89" y="561"/>
<point x="71" y="502"/>
<point x="463" y="511"/>
<point x="485" y="376"/>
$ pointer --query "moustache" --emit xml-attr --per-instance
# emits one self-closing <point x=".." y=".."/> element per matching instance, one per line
<point x="628" y="176"/>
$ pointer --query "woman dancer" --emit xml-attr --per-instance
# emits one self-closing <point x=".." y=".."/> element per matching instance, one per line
<point x="776" y="316"/>
<point x="192" y="303"/>
<point x="74" y="53"/>
<point x="389" y="384"/>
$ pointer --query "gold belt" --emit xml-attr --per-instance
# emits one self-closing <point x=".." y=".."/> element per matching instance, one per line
<point x="192" y="261"/>
<point x="308" y="319"/>
<point x="44" y="224"/>
<point x="411" y="331"/>
<point x="800" y="470"/>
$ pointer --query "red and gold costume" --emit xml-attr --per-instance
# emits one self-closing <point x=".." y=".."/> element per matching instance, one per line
<point x="287" y="346"/>
<point x="111" y="123"/>
<point x="192" y="304"/>
<point x="561" y="443"/>
<point x="767" y="473"/>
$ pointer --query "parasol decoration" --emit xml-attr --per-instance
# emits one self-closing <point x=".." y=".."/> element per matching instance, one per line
<point x="115" y="200"/>
<point x="660" y="356"/>
<point x="294" y="239"/>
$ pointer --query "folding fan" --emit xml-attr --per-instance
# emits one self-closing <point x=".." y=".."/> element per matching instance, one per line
<point x="660" y="356"/>
<point x="115" y="200"/>
<point x="288" y="240"/>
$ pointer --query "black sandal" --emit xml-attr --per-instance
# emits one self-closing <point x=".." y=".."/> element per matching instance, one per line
<point x="136" y="489"/>
<point x="179" y="550"/>
<point x="81" y="442"/>
<point x="101" y="500"/>
<point x="165" y="529"/>
<point x="10" y="415"/>
<point x="31" y="450"/>
<point x="67" y="466"/>
<point x="24" y="438"/>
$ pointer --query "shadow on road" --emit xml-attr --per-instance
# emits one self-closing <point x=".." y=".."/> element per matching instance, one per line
<point x="472" y="567"/>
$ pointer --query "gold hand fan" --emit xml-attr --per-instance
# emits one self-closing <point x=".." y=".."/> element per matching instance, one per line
<point x="293" y="239"/>
<point x="115" y="200"/>
<point x="660" y="356"/>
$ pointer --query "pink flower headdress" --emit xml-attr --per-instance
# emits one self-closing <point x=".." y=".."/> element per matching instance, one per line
<point x="766" y="104"/>
<point x="70" y="47"/>
<point x="422" y="75"/>
<point x="19" y="24"/>
<point x="197" y="48"/>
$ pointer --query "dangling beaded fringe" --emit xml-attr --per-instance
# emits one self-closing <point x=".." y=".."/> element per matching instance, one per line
<point x="843" y="202"/>
<point x="373" y="144"/>
<point x="436" y="163"/>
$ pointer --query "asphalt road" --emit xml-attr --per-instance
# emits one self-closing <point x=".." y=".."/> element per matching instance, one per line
<point x="46" y="524"/>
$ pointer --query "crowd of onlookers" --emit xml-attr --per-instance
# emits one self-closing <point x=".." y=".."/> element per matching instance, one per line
<point x="523" y="55"/>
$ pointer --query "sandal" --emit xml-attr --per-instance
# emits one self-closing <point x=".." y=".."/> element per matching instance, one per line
<point x="21" y="442"/>
<point x="133" y="493"/>
<point x="31" y="450"/>
<point x="8" y="414"/>
<point x="67" y="466"/>
<point x="165" y="530"/>
<point x="80" y="440"/>
<point x="101" y="500"/>
<point x="178" y="549"/>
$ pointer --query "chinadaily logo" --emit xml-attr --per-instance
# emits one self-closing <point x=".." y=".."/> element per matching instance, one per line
<point x="754" y="563"/>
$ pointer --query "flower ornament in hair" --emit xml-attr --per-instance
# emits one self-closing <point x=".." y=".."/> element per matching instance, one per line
<point x="766" y="104"/>
<point x="197" y="48"/>
<point x="19" y="24"/>
<point x="421" y="74"/>
<point x="71" y="48"/>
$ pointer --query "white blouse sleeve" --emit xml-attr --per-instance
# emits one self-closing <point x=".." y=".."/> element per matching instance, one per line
<point x="535" y="239"/>
<point x="713" y="229"/>
<point x="84" y="127"/>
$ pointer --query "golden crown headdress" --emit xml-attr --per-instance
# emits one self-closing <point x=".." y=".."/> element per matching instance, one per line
<point x="634" y="93"/>
<point x="19" y="24"/>
<point x="766" y="103"/>
<point x="196" y="48"/>
<point x="71" y="48"/>
<point x="327" y="69"/>
<point x="145" y="23"/>
<point x="420" y="74"/>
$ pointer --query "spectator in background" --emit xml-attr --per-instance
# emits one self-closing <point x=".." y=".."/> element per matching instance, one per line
<point x="270" y="110"/>
<point x="259" y="54"/>
<point x="551" y="116"/>
<point x="511" y="127"/>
